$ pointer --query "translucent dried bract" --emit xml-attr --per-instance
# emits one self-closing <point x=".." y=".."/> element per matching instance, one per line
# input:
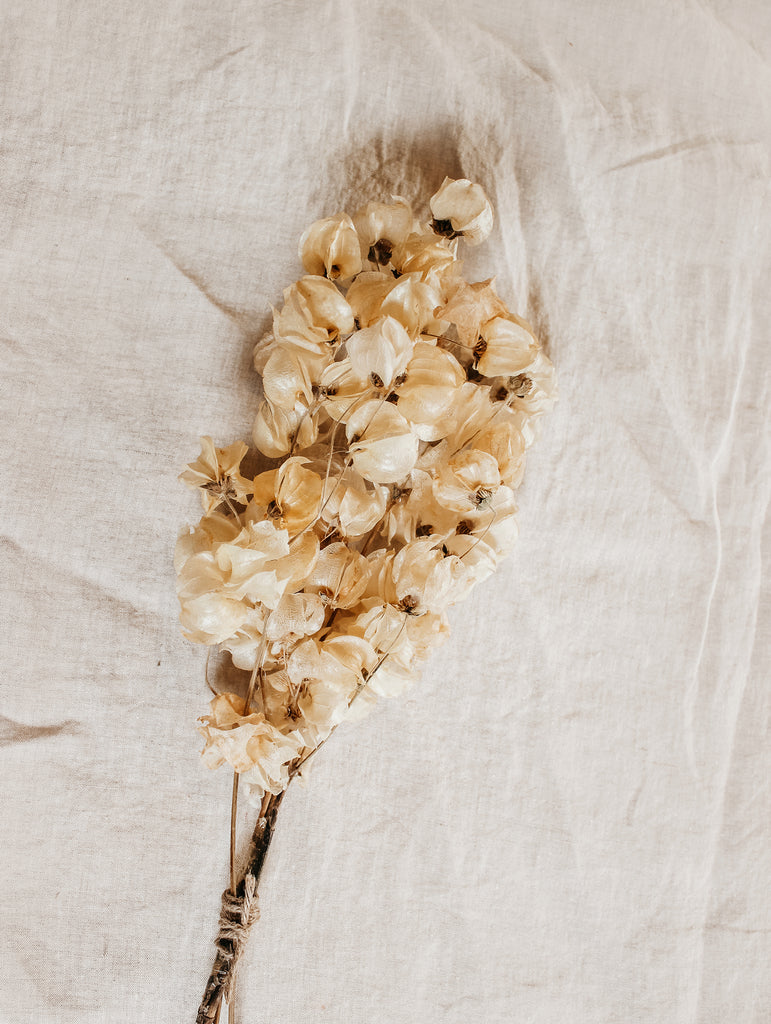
<point x="400" y="400"/>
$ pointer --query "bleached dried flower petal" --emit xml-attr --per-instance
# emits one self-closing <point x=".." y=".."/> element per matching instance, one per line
<point x="339" y="575"/>
<point x="211" y="618"/>
<point x="383" y="226"/>
<point x="469" y="306"/>
<point x="288" y="377"/>
<point x="245" y="643"/>
<point x="330" y="248"/>
<point x="295" y="616"/>
<point x="291" y="494"/>
<point x="503" y="439"/>
<point x="210" y="531"/>
<point x="293" y="569"/>
<point x="314" y="316"/>
<point x="467" y="481"/>
<point x="426" y="579"/>
<point x="248" y="564"/>
<point x="505" y="347"/>
<point x="276" y="430"/>
<point x="249" y="743"/>
<point x="360" y="510"/>
<point x="382" y="446"/>
<point x="379" y="353"/>
<point x="412" y="302"/>
<point x="461" y="207"/>
<point x="431" y="257"/>
<point x="432" y="379"/>
<point x="215" y="472"/>
<point x="367" y="295"/>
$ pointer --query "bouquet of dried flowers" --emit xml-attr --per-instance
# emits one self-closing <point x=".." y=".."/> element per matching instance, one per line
<point x="399" y="401"/>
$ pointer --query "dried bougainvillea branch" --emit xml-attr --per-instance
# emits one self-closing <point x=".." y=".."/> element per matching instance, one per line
<point x="400" y="400"/>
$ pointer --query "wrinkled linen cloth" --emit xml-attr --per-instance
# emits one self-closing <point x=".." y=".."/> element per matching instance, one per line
<point x="568" y="819"/>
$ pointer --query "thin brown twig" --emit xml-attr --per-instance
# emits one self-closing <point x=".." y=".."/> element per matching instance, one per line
<point x="233" y="817"/>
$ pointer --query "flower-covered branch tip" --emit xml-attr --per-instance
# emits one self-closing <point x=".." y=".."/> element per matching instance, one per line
<point x="399" y="401"/>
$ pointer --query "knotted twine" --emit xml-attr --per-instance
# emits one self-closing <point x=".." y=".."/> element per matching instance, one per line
<point x="237" y="915"/>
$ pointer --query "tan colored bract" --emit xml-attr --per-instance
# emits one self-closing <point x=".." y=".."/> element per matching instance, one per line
<point x="400" y="399"/>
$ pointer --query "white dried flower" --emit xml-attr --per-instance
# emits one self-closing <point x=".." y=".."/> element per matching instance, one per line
<point x="290" y="496"/>
<point x="277" y="430"/>
<point x="430" y="387"/>
<point x="469" y="306"/>
<point x="431" y="257"/>
<point x="339" y="576"/>
<point x="382" y="227"/>
<point x="330" y="248"/>
<point x="249" y="743"/>
<point x="401" y="400"/>
<point x="382" y="446"/>
<point x="288" y="378"/>
<point x="314" y="317"/>
<point x="380" y="353"/>
<point x="461" y="208"/>
<point x="467" y="481"/>
<point x="506" y="346"/>
<point x="216" y="473"/>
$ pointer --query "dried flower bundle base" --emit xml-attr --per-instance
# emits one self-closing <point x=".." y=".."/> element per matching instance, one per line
<point x="400" y="401"/>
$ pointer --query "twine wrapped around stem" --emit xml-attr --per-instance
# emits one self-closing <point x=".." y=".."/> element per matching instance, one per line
<point x="239" y="912"/>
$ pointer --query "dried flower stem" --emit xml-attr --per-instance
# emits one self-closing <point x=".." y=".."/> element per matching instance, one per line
<point x="239" y="912"/>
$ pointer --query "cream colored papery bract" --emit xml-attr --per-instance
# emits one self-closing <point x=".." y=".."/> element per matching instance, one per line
<point x="465" y="205"/>
<point x="401" y="403"/>
<point x="469" y="306"/>
<point x="384" y="222"/>
<point x="330" y="248"/>
<point x="339" y="575"/>
<point x="276" y="430"/>
<point x="434" y="259"/>
<point x="467" y="481"/>
<point x="381" y="351"/>
<point x="289" y="376"/>
<point x="250" y="744"/>
<point x="382" y="446"/>
<point x="216" y="473"/>
<point x="432" y="379"/>
<point x="507" y="347"/>
<point x="291" y="494"/>
<point x="314" y="316"/>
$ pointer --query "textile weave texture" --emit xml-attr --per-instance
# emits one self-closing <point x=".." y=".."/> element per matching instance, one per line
<point x="568" y="819"/>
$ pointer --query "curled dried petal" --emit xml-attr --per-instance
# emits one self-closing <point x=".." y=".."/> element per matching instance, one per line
<point x="471" y="305"/>
<point x="314" y="317"/>
<point x="382" y="226"/>
<point x="506" y="346"/>
<point x="461" y="207"/>
<point x="291" y="494"/>
<point x="330" y="248"/>
<point x="380" y="353"/>
<point x="467" y="481"/>
<point x="382" y="446"/>
<point x="215" y="472"/>
<point x="249" y="743"/>
<point x="276" y="430"/>
<point x="339" y="575"/>
<point x="433" y="378"/>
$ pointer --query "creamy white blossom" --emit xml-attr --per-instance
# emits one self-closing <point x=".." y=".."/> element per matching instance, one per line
<point x="461" y="207"/>
<point x="330" y="248"/>
<point x="400" y="399"/>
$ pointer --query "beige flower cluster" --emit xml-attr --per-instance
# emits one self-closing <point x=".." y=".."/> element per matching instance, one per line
<point x="400" y="400"/>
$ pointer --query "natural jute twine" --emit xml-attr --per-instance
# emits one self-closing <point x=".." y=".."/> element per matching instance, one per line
<point x="237" y="915"/>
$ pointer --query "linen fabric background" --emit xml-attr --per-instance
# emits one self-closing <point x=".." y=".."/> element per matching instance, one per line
<point x="568" y="819"/>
